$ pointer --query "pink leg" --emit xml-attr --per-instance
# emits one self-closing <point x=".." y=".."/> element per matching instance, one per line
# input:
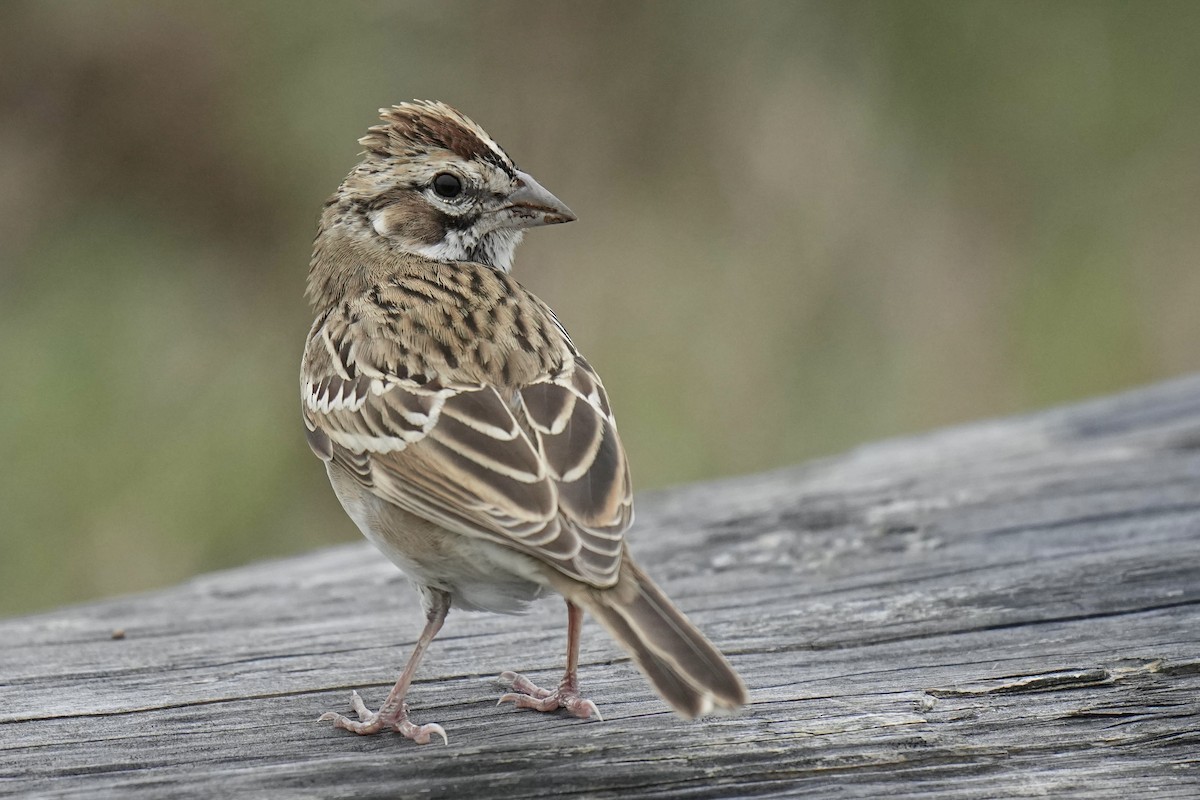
<point x="527" y="694"/>
<point x="393" y="714"/>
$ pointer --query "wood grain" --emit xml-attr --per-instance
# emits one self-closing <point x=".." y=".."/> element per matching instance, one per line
<point x="1007" y="609"/>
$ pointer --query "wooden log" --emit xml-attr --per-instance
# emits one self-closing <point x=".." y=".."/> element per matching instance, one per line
<point x="1007" y="609"/>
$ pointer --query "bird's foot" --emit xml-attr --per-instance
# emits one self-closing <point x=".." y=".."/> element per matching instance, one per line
<point x="527" y="694"/>
<point x="385" y="719"/>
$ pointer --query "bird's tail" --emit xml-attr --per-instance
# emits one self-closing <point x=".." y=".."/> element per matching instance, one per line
<point x="682" y="665"/>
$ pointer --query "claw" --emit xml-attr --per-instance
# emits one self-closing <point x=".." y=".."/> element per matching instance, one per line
<point x="370" y="722"/>
<point x="530" y="695"/>
<point x="421" y="733"/>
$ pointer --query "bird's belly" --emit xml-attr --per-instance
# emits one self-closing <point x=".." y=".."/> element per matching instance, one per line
<point x="479" y="575"/>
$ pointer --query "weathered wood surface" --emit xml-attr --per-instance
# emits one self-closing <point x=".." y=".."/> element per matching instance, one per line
<point x="1010" y="609"/>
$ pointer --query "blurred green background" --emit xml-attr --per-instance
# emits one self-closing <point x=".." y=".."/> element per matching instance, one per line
<point x="801" y="226"/>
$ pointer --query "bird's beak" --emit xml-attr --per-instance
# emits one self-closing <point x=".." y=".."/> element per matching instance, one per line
<point x="530" y="205"/>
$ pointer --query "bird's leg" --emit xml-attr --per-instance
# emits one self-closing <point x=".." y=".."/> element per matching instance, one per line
<point x="527" y="694"/>
<point x="393" y="714"/>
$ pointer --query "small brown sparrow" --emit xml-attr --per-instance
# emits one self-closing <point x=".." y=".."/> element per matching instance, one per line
<point x="462" y="431"/>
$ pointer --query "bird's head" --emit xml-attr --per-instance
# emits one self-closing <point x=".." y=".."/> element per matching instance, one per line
<point x="433" y="183"/>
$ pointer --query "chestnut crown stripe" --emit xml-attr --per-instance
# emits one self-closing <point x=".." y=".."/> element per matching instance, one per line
<point x="433" y="125"/>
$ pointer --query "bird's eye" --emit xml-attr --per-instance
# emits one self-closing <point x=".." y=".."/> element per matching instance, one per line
<point x="447" y="185"/>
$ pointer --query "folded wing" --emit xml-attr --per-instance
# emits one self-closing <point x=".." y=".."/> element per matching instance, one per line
<point x="537" y="466"/>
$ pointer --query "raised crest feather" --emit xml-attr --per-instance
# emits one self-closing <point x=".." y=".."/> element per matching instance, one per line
<point x="419" y="126"/>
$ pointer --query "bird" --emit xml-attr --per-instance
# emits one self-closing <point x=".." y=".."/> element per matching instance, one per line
<point x="462" y="430"/>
